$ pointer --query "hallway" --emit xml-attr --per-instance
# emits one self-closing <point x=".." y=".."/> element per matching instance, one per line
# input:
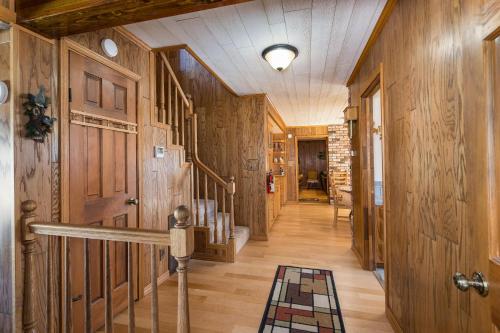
<point x="231" y="297"/>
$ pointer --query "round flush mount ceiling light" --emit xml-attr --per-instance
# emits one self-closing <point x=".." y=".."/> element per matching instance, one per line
<point x="109" y="47"/>
<point x="4" y="92"/>
<point x="280" y="56"/>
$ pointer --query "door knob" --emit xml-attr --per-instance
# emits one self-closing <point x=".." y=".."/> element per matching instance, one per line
<point x="133" y="201"/>
<point x="478" y="282"/>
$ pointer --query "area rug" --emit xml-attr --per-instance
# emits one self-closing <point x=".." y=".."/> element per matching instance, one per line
<point x="302" y="300"/>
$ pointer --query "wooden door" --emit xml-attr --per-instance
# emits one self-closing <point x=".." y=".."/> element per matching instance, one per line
<point x="102" y="176"/>
<point x="493" y="88"/>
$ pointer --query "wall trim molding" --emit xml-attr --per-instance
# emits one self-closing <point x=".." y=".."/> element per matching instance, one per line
<point x="379" y="26"/>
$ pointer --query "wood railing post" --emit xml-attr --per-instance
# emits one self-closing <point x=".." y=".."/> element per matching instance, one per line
<point x="231" y="189"/>
<point x="188" y="128"/>
<point x="182" y="249"/>
<point x="30" y="321"/>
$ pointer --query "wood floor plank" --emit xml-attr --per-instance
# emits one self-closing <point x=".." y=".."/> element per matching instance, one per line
<point x="232" y="297"/>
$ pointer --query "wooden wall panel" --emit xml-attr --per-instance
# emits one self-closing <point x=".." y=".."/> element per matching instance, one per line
<point x="35" y="66"/>
<point x="436" y="187"/>
<point x="7" y="184"/>
<point x="165" y="183"/>
<point x="231" y="137"/>
<point x="301" y="132"/>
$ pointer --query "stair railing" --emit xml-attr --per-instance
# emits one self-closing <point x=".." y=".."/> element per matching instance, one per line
<point x="208" y="186"/>
<point x="180" y="239"/>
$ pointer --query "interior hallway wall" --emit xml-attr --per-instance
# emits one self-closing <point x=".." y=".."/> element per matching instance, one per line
<point x="165" y="183"/>
<point x="433" y="92"/>
<point x="232" y="137"/>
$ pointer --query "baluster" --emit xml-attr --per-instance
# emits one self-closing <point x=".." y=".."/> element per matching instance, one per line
<point x="131" y="294"/>
<point x="108" y="301"/>
<point x="206" y="201"/>
<point x="216" y="222"/>
<point x="188" y="142"/>
<point x="66" y="321"/>
<point x="197" y="196"/>
<point x="30" y="321"/>
<point x="161" y="116"/>
<point x="224" y="216"/>
<point x="86" y="283"/>
<point x="154" y="291"/>
<point x="231" y="191"/>
<point x="182" y="248"/>
<point x="169" y="96"/>
<point x="176" y="117"/>
<point x="182" y="122"/>
<point x="50" y="284"/>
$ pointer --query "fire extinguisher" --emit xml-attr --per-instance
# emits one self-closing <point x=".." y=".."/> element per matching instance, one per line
<point x="270" y="182"/>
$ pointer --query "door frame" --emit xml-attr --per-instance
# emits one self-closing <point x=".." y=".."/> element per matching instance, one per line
<point x="375" y="80"/>
<point x="311" y="138"/>
<point x="66" y="46"/>
<point x="493" y="125"/>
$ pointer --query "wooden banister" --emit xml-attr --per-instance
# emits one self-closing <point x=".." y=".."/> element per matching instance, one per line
<point x="133" y="235"/>
<point x="174" y="78"/>
<point x="180" y="239"/>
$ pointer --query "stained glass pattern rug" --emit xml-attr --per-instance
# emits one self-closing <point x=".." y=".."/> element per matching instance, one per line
<point x="302" y="300"/>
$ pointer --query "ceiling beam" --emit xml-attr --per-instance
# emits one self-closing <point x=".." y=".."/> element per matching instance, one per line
<point x="57" y="18"/>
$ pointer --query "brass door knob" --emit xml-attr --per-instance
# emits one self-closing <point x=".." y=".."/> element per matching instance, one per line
<point x="133" y="201"/>
<point x="478" y="282"/>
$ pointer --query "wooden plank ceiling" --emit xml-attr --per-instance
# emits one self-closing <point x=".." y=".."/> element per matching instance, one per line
<point x="56" y="18"/>
<point x="330" y="36"/>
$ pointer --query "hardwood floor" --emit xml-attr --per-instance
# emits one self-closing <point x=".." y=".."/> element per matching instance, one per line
<point x="310" y="194"/>
<point x="232" y="297"/>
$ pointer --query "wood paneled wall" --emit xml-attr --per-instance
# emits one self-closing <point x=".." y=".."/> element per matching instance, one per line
<point x="435" y="158"/>
<point x="165" y="183"/>
<point x="231" y="137"/>
<point x="299" y="132"/>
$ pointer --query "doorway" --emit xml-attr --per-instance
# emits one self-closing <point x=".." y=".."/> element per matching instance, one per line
<point x="375" y="219"/>
<point x="313" y="170"/>
<point x="100" y="173"/>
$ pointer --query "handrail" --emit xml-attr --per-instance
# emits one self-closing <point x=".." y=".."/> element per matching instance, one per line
<point x="172" y="74"/>
<point x="135" y="235"/>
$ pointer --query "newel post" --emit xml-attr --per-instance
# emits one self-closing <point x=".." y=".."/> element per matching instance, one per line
<point x="29" y="241"/>
<point x="182" y="248"/>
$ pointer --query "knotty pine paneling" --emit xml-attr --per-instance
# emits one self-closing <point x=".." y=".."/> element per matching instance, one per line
<point x="231" y="137"/>
<point x="435" y="158"/>
<point x="304" y="133"/>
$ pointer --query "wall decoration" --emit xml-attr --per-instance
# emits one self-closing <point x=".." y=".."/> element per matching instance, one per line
<point x="39" y="125"/>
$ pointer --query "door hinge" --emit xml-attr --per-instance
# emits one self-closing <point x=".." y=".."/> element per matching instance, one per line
<point x="69" y="95"/>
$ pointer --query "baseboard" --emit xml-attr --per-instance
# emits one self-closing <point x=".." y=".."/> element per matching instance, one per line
<point x="392" y="320"/>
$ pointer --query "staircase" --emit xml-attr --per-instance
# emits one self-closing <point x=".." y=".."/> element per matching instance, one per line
<point x="216" y="235"/>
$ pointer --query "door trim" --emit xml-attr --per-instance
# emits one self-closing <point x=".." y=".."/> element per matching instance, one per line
<point x="376" y="79"/>
<point x="66" y="46"/>
<point x="319" y="137"/>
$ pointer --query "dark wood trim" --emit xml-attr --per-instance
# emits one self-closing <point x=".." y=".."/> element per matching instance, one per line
<point x="194" y="55"/>
<point x="58" y="18"/>
<point x="384" y="17"/>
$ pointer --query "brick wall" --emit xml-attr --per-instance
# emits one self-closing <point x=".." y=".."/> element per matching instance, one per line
<point x="339" y="150"/>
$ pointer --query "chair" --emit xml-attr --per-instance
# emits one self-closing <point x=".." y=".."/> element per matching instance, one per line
<point x="341" y="199"/>
<point x="312" y="179"/>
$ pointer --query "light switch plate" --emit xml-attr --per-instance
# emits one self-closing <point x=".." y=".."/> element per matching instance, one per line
<point x="159" y="152"/>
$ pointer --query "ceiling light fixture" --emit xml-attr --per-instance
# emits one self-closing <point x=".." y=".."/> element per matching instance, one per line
<point x="280" y="56"/>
